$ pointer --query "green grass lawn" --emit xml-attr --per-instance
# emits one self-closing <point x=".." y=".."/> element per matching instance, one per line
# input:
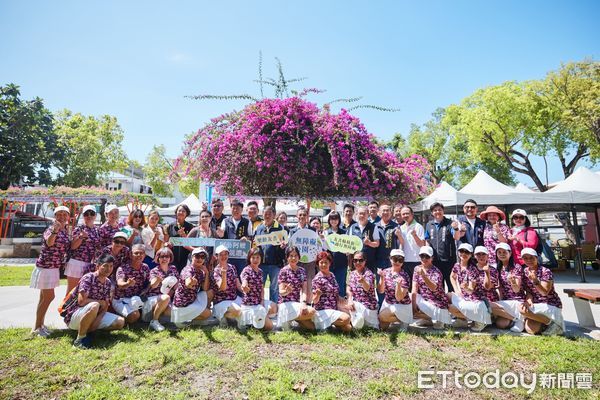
<point x="225" y="364"/>
<point x="18" y="276"/>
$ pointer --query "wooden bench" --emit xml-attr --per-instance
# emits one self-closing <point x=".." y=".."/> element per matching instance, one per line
<point x="582" y="299"/>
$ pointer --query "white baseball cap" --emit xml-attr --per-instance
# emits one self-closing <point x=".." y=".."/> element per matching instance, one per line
<point x="504" y="246"/>
<point x="221" y="249"/>
<point x="120" y="234"/>
<point x="89" y="207"/>
<point x="397" y="253"/>
<point x="198" y="250"/>
<point x="519" y="211"/>
<point x="481" y="249"/>
<point x="530" y="251"/>
<point x="168" y="284"/>
<point x="62" y="208"/>
<point x="466" y="246"/>
<point x="426" y="250"/>
<point x="109" y="208"/>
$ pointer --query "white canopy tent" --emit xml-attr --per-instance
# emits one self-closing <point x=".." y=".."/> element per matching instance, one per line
<point x="191" y="201"/>
<point x="444" y="194"/>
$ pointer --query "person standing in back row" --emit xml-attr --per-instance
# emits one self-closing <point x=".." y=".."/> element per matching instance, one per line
<point x="441" y="234"/>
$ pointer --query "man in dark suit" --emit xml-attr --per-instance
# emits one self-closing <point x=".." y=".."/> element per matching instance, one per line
<point x="471" y="226"/>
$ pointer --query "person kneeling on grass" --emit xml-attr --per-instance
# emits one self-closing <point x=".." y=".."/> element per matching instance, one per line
<point x="362" y="301"/>
<point x="394" y="283"/>
<point x="158" y="302"/>
<point x="255" y="309"/>
<point x="542" y="309"/>
<point x="326" y="297"/>
<point x="90" y="301"/>
<point x="512" y="292"/>
<point x="293" y="293"/>
<point x="429" y="300"/>
<point x="190" y="302"/>
<point x="469" y="284"/>
<point x="132" y="281"/>
<point x="226" y="303"/>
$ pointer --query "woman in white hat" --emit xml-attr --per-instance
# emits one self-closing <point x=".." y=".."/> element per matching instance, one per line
<point x="522" y="235"/>
<point x="46" y="274"/>
<point x="469" y="290"/>
<point x="495" y="231"/>
<point x="395" y="284"/>
<point x="542" y="309"/>
<point x="256" y="311"/>
<point x="118" y="249"/>
<point x="86" y="243"/>
<point x="190" y="301"/>
<point x="226" y="302"/>
<point x="293" y="292"/>
<point x="159" y="296"/>
<point x="512" y="294"/>
<point x="112" y="225"/>
<point x="430" y="303"/>
<point x="487" y="273"/>
<point x="132" y="282"/>
<point x="362" y="300"/>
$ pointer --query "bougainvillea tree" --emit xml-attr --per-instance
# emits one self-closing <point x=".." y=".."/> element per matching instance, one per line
<point x="292" y="148"/>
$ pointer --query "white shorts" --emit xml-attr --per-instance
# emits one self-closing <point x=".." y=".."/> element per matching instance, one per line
<point x="325" y="318"/>
<point x="107" y="319"/>
<point x="513" y="307"/>
<point x="476" y="311"/>
<point x="148" y="309"/>
<point x="220" y="308"/>
<point x="76" y="268"/>
<point x="287" y="312"/>
<point x="45" y="278"/>
<point x="254" y="315"/>
<point x="404" y="312"/>
<point x="191" y="311"/>
<point x="362" y="316"/>
<point x="126" y="305"/>
<point x="433" y="311"/>
<point x="552" y="312"/>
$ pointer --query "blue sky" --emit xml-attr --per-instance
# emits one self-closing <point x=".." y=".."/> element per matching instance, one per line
<point x="137" y="60"/>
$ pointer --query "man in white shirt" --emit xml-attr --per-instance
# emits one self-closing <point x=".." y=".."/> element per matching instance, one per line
<point x="412" y="239"/>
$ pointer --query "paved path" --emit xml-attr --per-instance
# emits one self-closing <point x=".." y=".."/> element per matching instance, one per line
<point x="18" y="303"/>
<point x="17" y="262"/>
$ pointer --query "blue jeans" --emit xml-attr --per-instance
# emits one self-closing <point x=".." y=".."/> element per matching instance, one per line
<point x="272" y="271"/>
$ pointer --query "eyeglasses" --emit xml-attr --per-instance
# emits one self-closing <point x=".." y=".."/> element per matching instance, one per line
<point x="518" y="217"/>
<point x="138" y="253"/>
<point x="358" y="260"/>
<point x="425" y="256"/>
<point x="217" y="205"/>
<point x="470" y="207"/>
<point x="119" y="242"/>
<point x="397" y="259"/>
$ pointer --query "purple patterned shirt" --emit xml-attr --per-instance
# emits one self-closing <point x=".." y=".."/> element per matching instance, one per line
<point x="390" y="278"/>
<point x="255" y="283"/>
<point x="106" y="232"/>
<point x="52" y="257"/>
<point x="490" y="240"/>
<point x="329" y="291"/>
<point x="158" y="272"/>
<point x="185" y="296"/>
<point x="230" y="293"/>
<point x="368" y="299"/>
<point x="121" y="259"/>
<point x="505" y="286"/>
<point x="468" y="275"/>
<point x="296" y="279"/>
<point x="544" y="275"/>
<point x="141" y="277"/>
<point x="89" y="247"/>
<point x="492" y="294"/>
<point x="437" y="296"/>
<point x="95" y="290"/>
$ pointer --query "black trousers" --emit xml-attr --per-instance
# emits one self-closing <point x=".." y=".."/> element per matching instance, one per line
<point x="446" y="268"/>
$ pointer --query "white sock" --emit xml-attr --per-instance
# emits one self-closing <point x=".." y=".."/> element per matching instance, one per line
<point x="80" y="337"/>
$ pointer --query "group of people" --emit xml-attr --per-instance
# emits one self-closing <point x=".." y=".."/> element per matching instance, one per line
<point x="469" y="272"/>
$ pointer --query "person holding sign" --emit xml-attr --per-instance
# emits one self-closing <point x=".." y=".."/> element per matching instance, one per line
<point x="293" y="293"/>
<point x="311" y="266"/>
<point x="362" y="301"/>
<point x="226" y="303"/>
<point x="340" y="260"/>
<point x="180" y="228"/>
<point x="326" y="297"/>
<point x="204" y="230"/>
<point x="273" y="254"/>
<point x="395" y="284"/>
<point x="255" y="309"/>
<point x="238" y="228"/>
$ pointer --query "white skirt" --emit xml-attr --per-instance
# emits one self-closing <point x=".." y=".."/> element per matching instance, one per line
<point x="325" y="318"/>
<point x="220" y="308"/>
<point x="552" y="312"/>
<point x="363" y="315"/>
<point x="126" y="305"/>
<point x="254" y="315"/>
<point x="433" y="311"/>
<point x="107" y="319"/>
<point x="45" y="278"/>
<point x="513" y="307"/>
<point x="148" y="308"/>
<point x="191" y="311"/>
<point x="404" y="312"/>
<point x="76" y="268"/>
<point x="476" y="311"/>
<point x="287" y="312"/>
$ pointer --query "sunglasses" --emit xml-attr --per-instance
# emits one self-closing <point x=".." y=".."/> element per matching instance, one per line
<point x="397" y="259"/>
<point x="200" y="255"/>
<point x="480" y="254"/>
<point x="137" y="216"/>
<point x="119" y="242"/>
<point x="89" y="213"/>
<point x="518" y="217"/>
<point x="425" y="256"/>
<point x="358" y="260"/>
<point x="463" y="251"/>
<point x="164" y="256"/>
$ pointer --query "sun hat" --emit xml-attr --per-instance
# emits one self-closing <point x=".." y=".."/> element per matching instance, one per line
<point x="426" y="250"/>
<point x="481" y="249"/>
<point x="62" y="208"/>
<point x="221" y="249"/>
<point x="466" y="246"/>
<point x="504" y="246"/>
<point x="109" y="208"/>
<point x="519" y="211"/>
<point x="198" y="250"/>
<point x="87" y="208"/>
<point x="492" y="209"/>
<point x="530" y="251"/>
<point x="397" y="253"/>
<point x="167" y="284"/>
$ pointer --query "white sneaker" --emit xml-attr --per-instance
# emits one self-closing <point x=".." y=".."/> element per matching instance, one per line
<point x="46" y="329"/>
<point x="39" y="332"/>
<point x="460" y="323"/>
<point x="421" y="323"/>
<point x="438" y="325"/>
<point x="518" y="326"/>
<point x="156" y="326"/>
<point x="478" y="326"/>
<point x="553" y="329"/>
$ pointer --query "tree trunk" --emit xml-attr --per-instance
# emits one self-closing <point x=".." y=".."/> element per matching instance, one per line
<point x="269" y="201"/>
<point x="564" y="220"/>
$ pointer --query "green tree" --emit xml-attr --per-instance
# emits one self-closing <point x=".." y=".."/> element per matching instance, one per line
<point x="157" y="169"/>
<point x="92" y="148"/>
<point x="28" y="145"/>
